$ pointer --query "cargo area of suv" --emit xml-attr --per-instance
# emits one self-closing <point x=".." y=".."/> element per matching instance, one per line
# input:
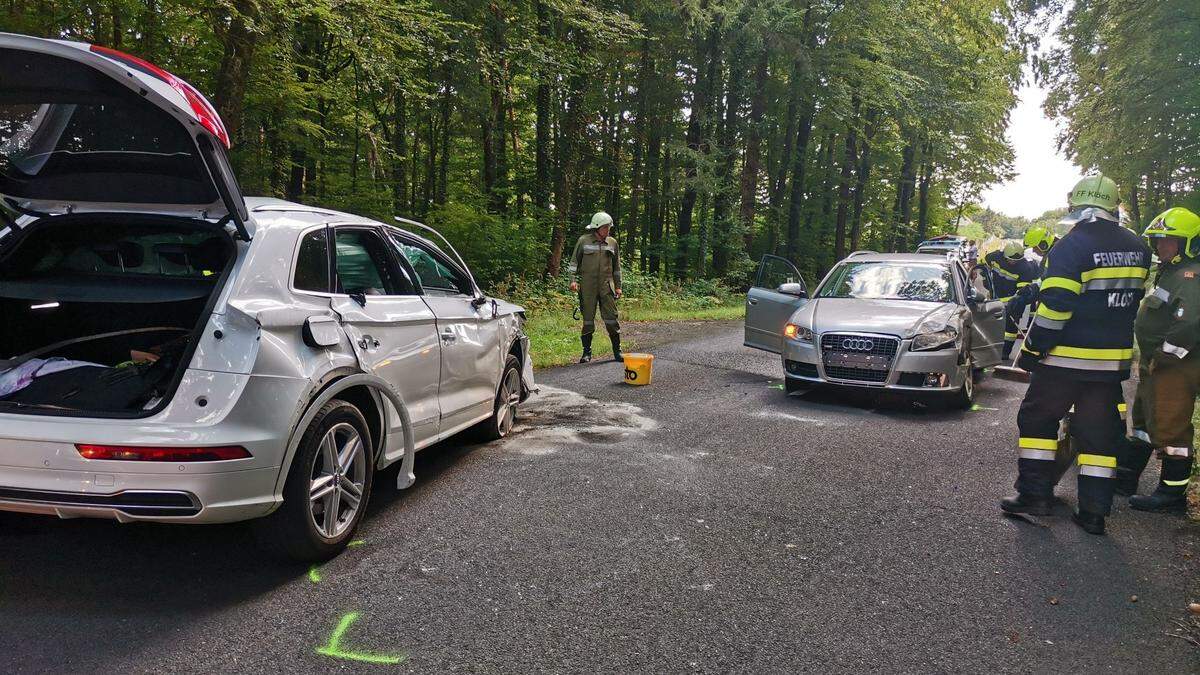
<point x="101" y="311"/>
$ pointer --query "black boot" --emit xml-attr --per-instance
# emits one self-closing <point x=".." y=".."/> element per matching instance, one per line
<point x="1171" y="493"/>
<point x="1090" y="522"/>
<point x="587" y="348"/>
<point x="1125" y="483"/>
<point x="1029" y="504"/>
<point x="1131" y="460"/>
<point x="616" y="343"/>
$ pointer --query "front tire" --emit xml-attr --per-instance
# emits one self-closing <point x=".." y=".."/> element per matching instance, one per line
<point x="327" y="488"/>
<point x="504" y="409"/>
<point x="964" y="398"/>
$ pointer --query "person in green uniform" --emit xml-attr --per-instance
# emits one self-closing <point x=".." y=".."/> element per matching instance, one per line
<point x="1168" y="335"/>
<point x="596" y="269"/>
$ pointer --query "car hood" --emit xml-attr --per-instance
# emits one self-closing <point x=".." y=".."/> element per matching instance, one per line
<point x="903" y="318"/>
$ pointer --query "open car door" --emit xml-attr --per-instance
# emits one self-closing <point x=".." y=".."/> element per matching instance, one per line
<point x="987" y="319"/>
<point x="778" y="291"/>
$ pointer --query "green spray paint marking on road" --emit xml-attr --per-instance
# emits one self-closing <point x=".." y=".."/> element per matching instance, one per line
<point x="357" y="542"/>
<point x="314" y="574"/>
<point x="334" y="647"/>
<point x="775" y="386"/>
<point x="978" y="408"/>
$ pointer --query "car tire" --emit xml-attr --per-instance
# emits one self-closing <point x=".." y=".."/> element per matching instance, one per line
<point x="964" y="398"/>
<point x="335" y="459"/>
<point x="504" y="408"/>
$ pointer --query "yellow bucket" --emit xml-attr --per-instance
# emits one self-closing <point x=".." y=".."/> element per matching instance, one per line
<point x="639" y="368"/>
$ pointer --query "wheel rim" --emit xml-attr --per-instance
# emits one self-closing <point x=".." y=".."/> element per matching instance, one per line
<point x="507" y="400"/>
<point x="338" y="480"/>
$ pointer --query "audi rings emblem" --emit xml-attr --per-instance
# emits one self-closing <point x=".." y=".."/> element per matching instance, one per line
<point x="858" y="345"/>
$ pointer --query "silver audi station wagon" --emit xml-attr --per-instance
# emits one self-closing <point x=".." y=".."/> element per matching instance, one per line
<point x="175" y="352"/>
<point x="901" y="321"/>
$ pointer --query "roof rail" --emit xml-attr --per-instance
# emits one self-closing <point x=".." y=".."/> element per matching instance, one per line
<point x="862" y="252"/>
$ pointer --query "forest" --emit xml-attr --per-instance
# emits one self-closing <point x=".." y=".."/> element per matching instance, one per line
<point x="712" y="131"/>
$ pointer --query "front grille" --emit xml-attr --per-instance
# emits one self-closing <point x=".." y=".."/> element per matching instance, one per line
<point x="858" y="358"/>
<point x="132" y="502"/>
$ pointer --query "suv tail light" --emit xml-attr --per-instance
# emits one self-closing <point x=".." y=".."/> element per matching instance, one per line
<point x="130" y="453"/>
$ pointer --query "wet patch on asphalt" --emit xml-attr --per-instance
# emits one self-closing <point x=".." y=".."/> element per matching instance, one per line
<point x="555" y="417"/>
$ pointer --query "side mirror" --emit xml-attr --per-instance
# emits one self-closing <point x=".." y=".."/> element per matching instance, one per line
<point x="795" y="289"/>
<point x="321" y="332"/>
<point x="973" y="296"/>
<point x="479" y="301"/>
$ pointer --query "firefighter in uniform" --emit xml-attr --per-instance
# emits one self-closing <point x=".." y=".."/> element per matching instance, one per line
<point x="1078" y="349"/>
<point x="1040" y="239"/>
<point x="1168" y="332"/>
<point x="1010" y="272"/>
<point x="596" y="265"/>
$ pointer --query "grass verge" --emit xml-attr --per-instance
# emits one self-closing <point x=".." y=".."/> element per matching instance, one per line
<point x="554" y="335"/>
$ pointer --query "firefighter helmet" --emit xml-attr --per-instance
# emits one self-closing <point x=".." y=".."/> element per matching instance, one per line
<point x="1040" y="238"/>
<point x="1177" y="222"/>
<point x="599" y="220"/>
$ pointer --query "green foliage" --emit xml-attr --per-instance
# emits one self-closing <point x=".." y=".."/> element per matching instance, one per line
<point x="1127" y="80"/>
<point x="774" y="125"/>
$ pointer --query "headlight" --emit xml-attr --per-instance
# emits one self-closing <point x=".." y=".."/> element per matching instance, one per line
<point x="794" y="332"/>
<point x="942" y="339"/>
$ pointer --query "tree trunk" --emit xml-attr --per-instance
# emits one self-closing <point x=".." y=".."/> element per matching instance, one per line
<point x="923" y="192"/>
<point x="722" y="200"/>
<point x="651" y="219"/>
<point x="1135" y="211"/>
<point x="636" y="180"/>
<point x="863" y="175"/>
<point x="701" y="95"/>
<point x="236" y="57"/>
<point x="400" y="155"/>
<point x="849" y="159"/>
<point x="796" y="200"/>
<point x="752" y="159"/>
<point x="541" y="152"/>
<point x="569" y="149"/>
<point x="901" y="209"/>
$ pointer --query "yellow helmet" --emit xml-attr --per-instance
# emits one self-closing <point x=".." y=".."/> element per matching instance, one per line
<point x="1014" y="251"/>
<point x="1177" y="222"/>
<point x="1040" y="238"/>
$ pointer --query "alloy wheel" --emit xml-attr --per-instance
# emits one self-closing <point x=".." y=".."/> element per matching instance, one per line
<point x="338" y="479"/>
<point x="507" y="400"/>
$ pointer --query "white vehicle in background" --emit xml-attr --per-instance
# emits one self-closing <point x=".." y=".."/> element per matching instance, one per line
<point x="175" y="352"/>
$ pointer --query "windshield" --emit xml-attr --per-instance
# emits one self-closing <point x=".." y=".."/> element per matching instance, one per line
<point x="889" y="281"/>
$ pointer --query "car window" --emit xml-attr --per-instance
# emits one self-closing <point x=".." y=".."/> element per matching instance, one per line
<point x="363" y="265"/>
<point x="434" y="274"/>
<point x="774" y="272"/>
<point x="312" y="263"/>
<point x="890" y="281"/>
<point x="126" y="252"/>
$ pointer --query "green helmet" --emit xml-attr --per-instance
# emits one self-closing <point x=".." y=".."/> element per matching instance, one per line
<point x="599" y="220"/>
<point x="1014" y="251"/>
<point x="1096" y="190"/>
<point x="1040" y="238"/>
<point x="1177" y="222"/>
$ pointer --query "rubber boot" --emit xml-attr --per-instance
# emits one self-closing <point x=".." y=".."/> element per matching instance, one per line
<point x="587" y="348"/>
<point x="1091" y="523"/>
<point x="1171" y="493"/>
<point x="1131" y="461"/>
<point x="1028" y="504"/>
<point x="616" y="344"/>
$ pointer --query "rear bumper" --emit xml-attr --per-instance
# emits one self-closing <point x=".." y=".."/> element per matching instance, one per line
<point x="910" y="371"/>
<point x="127" y="497"/>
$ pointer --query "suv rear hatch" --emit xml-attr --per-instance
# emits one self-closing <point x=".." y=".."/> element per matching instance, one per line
<point x="85" y="128"/>
<point x="117" y="240"/>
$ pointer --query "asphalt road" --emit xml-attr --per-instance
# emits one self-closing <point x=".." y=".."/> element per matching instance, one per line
<point x="703" y="523"/>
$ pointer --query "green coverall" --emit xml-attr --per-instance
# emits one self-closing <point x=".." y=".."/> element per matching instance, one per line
<point x="598" y="271"/>
<point x="1168" y="335"/>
